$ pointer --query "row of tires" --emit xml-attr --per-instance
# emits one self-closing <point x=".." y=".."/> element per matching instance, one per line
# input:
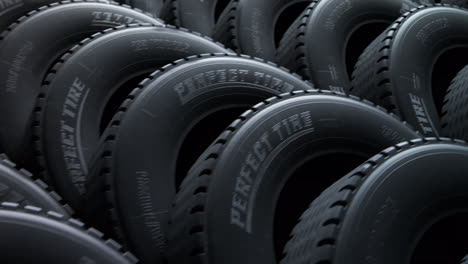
<point x="128" y="124"/>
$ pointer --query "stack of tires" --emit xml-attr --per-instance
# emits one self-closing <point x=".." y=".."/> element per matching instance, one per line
<point x="241" y="131"/>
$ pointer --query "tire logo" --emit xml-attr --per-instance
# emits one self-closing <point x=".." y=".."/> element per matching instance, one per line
<point x="420" y="111"/>
<point x="163" y="44"/>
<point x="151" y="218"/>
<point x="73" y="155"/>
<point x="195" y="85"/>
<point x="247" y="183"/>
<point x="17" y="66"/>
<point x="113" y="19"/>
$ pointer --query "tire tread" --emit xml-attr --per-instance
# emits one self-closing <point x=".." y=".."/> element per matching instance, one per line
<point x="77" y="224"/>
<point x="325" y="214"/>
<point x="199" y="177"/>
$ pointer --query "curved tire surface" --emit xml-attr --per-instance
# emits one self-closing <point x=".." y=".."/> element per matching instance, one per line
<point x="393" y="199"/>
<point x="178" y="112"/>
<point x="85" y="89"/>
<point x="398" y="69"/>
<point x="34" y="235"/>
<point x="455" y="110"/>
<point x="30" y="47"/>
<point x="226" y="204"/>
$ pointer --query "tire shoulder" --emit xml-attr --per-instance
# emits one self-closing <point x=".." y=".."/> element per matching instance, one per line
<point x="226" y="28"/>
<point x="373" y="67"/>
<point x="326" y="222"/>
<point x="41" y="101"/>
<point x="454" y="109"/>
<point x="4" y="160"/>
<point x="77" y="224"/>
<point x="198" y="178"/>
<point x="37" y="11"/>
<point x="299" y="41"/>
<point x="103" y="158"/>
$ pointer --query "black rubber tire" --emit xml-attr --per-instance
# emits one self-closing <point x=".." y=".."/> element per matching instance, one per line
<point x="167" y="13"/>
<point x="200" y="16"/>
<point x="460" y="3"/>
<point x="392" y="201"/>
<point x="249" y="26"/>
<point x="33" y="235"/>
<point x="19" y="186"/>
<point x="454" y="118"/>
<point x="30" y="47"/>
<point x="154" y="7"/>
<point x="157" y="8"/>
<point x="98" y="81"/>
<point x="230" y="84"/>
<point x="247" y="167"/>
<point x="10" y="11"/>
<point x="408" y="68"/>
<point x="344" y="29"/>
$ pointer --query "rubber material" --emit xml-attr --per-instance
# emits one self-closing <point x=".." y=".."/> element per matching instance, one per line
<point x="78" y="100"/>
<point x="454" y="118"/>
<point x="10" y="11"/>
<point x="344" y="29"/>
<point x="19" y="186"/>
<point x="164" y="111"/>
<point x="154" y="7"/>
<point x="167" y="13"/>
<point x="398" y="72"/>
<point x="199" y="16"/>
<point x="33" y="235"/>
<point x="460" y="3"/>
<point x="225" y="209"/>
<point x="249" y="26"/>
<point x="389" y="202"/>
<point x="30" y="47"/>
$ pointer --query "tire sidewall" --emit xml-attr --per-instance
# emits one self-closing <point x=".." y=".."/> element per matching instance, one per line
<point x="96" y="74"/>
<point x="333" y="23"/>
<point x="398" y="209"/>
<point x="256" y="21"/>
<point x="412" y="79"/>
<point x="151" y="160"/>
<point x="255" y="242"/>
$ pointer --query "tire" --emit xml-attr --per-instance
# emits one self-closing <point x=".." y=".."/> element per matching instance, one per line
<point x="249" y="26"/>
<point x="410" y="198"/>
<point x="198" y="16"/>
<point x="455" y="112"/>
<point x="167" y="13"/>
<point x="460" y="3"/>
<point x="67" y="135"/>
<point x="154" y="7"/>
<point x="254" y="160"/>
<point x="18" y="186"/>
<point x="153" y="108"/>
<point x="29" y="48"/>
<point x="344" y="29"/>
<point x="33" y="235"/>
<point x="10" y="11"/>
<point x="415" y="88"/>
